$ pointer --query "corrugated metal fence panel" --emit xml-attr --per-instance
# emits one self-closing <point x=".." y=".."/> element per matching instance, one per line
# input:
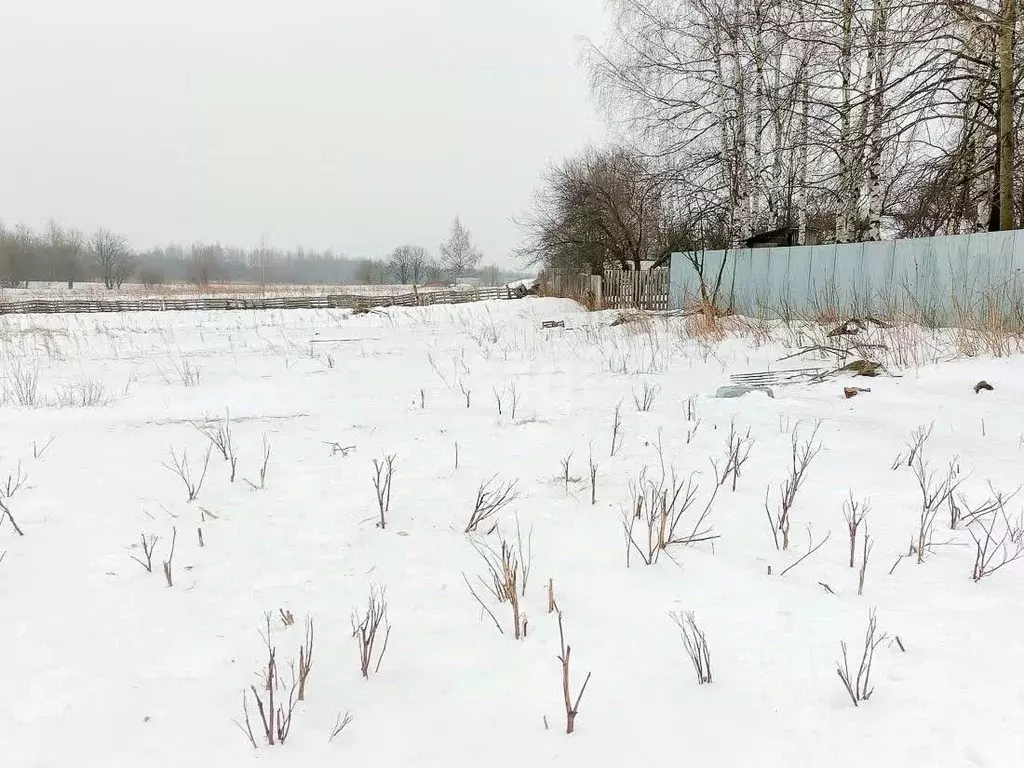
<point x="932" y="277"/>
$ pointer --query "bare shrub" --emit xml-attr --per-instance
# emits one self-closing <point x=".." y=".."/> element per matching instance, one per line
<point x="148" y="543"/>
<point x="690" y="409"/>
<point x="660" y="506"/>
<point x="963" y="512"/>
<point x="696" y="644"/>
<point x="188" y="372"/>
<point x="383" y="474"/>
<point x="180" y="467"/>
<point x="859" y="688"/>
<point x="340" y="724"/>
<point x="513" y="401"/>
<point x="593" y="478"/>
<point x="366" y="629"/>
<point x="466" y="392"/>
<point x="918" y="439"/>
<point x="525" y="554"/>
<point x="936" y="491"/>
<point x="218" y="432"/>
<point x="998" y="541"/>
<point x="505" y="581"/>
<point x="169" y="562"/>
<point x="511" y="404"/>
<point x="6" y="514"/>
<point x="616" y="430"/>
<point x="868" y="544"/>
<point x="491" y="497"/>
<point x="275" y="717"/>
<point x="263" y="468"/>
<point x="572" y="707"/>
<point x="13" y="483"/>
<point x="38" y="450"/>
<point x="644" y="400"/>
<point x="801" y="456"/>
<point x="854" y="512"/>
<point x="305" y="658"/>
<point x="566" y="475"/>
<point x="81" y="394"/>
<point x="22" y="384"/>
<point x="737" y="451"/>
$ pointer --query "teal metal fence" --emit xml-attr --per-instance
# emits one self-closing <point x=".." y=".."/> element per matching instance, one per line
<point x="937" y="278"/>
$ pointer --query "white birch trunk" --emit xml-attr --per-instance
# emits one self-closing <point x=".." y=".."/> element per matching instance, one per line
<point x="846" y="154"/>
<point x="756" y="176"/>
<point x="877" y="65"/>
<point x="804" y="137"/>
<point x="723" y="139"/>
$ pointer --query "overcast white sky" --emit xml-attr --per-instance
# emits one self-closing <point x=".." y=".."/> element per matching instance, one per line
<point x="354" y="124"/>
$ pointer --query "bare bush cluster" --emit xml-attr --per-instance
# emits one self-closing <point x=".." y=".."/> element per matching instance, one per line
<point x="10" y="486"/>
<point x="572" y="706"/>
<point x="275" y="711"/>
<point x="998" y="538"/>
<point x="492" y="496"/>
<point x="190" y="478"/>
<point x="660" y="505"/>
<point x="802" y="453"/>
<point x="507" y="400"/>
<point x="507" y="573"/>
<point x="695" y="642"/>
<point x="383" y="475"/>
<point x="644" y="400"/>
<point x="372" y="630"/>
<point x="147" y="543"/>
<point x="937" y="490"/>
<point x="218" y="432"/>
<point x="859" y="686"/>
<point x="737" y="451"/>
<point x="262" y="484"/>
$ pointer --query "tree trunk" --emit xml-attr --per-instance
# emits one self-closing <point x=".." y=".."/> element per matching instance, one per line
<point x="801" y="196"/>
<point x="758" y="159"/>
<point x="1006" y="84"/>
<point x="723" y="140"/>
<point x="845" y="143"/>
<point x="876" y="64"/>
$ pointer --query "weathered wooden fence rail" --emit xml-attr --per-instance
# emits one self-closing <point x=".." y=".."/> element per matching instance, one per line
<point x="616" y="289"/>
<point x="332" y="301"/>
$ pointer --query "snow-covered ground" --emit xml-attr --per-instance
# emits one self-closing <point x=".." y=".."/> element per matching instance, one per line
<point x="107" y="666"/>
<point x="88" y="290"/>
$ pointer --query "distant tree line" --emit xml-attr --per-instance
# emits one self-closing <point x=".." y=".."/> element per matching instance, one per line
<point x="59" y="254"/>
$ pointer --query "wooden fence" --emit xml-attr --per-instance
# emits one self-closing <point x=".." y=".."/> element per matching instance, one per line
<point x="617" y="289"/>
<point x="334" y="301"/>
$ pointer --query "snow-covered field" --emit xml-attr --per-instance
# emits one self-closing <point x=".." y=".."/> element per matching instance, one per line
<point x="87" y="290"/>
<point x="106" y="666"/>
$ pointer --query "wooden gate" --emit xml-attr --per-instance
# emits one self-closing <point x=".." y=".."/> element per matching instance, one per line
<point x="647" y="289"/>
<point x="565" y="284"/>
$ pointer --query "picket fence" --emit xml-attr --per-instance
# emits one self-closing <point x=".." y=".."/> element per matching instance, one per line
<point x="616" y="289"/>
